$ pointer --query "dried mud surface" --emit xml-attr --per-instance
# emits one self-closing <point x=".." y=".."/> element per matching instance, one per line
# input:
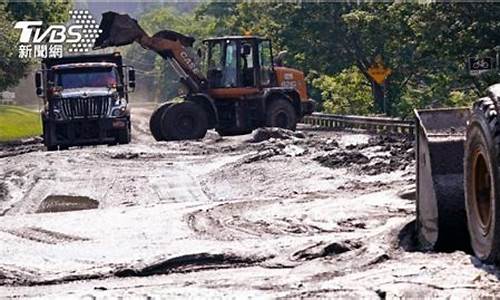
<point x="274" y="214"/>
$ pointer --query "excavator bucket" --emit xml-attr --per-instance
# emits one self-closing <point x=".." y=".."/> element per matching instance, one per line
<point x="441" y="218"/>
<point x="117" y="30"/>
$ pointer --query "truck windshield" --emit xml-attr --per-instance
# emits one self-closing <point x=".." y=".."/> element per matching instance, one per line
<point x="86" y="77"/>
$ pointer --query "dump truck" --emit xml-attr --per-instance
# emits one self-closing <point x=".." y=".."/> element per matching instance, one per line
<point x="237" y="89"/>
<point x="458" y="172"/>
<point x="85" y="100"/>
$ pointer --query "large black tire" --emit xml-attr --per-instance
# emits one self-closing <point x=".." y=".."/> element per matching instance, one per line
<point x="280" y="113"/>
<point x="123" y="136"/>
<point x="481" y="173"/>
<point x="184" y="121"/>
<point x="155" y="122"/>
<point x="46" y="137"/>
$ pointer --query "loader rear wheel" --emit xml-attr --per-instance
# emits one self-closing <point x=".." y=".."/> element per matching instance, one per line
<point x="482" y="199"/>
<point x="280" y="113"/>
<point x="155" y="122"/>
<point x="184" y="121"/>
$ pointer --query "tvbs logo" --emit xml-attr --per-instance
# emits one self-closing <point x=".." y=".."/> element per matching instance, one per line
<point x="31" y="33"/>
<point x="78" y="36"/>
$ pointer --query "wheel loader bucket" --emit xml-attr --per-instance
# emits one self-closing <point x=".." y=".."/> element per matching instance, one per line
<point x="441" y="219"/>
<point x="117" y="30"/>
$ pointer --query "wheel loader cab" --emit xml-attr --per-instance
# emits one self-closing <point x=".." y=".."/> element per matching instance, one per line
<point x="238" y="65"/>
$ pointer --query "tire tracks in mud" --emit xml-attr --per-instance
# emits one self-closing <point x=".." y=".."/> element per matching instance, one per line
<point x="192" y="263"/>
<point x="178" y="264"/>
<point x="226" y="222"/>
<point x="41" y="235"/>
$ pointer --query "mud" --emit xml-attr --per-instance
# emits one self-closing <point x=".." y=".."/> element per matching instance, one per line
<point x="43" y="236"/>
<point x="263" y="134"/>
<point x="192" y="263"/>
<point x="274" y="213"/>
<point x="382" y="154"/>
<point x="60" y="203"/>
<point x="15" y="148"/>
<point x="322" y="250"/>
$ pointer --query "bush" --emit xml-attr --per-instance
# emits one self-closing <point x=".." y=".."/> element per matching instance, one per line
<point x="346" y="93"/>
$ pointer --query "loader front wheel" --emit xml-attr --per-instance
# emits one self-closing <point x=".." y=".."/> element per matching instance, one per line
<point x="155" y="122"/>
<point x="482" y="201"/>
<point x="184" y="121"/>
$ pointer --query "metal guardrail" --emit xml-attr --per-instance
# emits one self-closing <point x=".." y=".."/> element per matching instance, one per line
<point x="373" y="124"/>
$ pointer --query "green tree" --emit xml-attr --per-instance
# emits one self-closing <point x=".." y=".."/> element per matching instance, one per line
<point x="425" y="44"/>
<point x="155" y="72"/>
<point x="48" y="11"/>
<point x="345" y="93"/>
<point x="12" y="68"/>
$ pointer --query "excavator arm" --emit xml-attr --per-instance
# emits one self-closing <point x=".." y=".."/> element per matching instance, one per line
<point x="119" y="30"/>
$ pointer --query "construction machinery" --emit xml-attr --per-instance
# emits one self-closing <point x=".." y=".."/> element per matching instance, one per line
<point x="458" y="172"/>
<point x="238" y="89"/>
<point x="85" y="100"/>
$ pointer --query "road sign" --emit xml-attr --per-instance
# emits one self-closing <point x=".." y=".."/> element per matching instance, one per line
<point x="379" y="73"/>
<point x="478" y="66"/>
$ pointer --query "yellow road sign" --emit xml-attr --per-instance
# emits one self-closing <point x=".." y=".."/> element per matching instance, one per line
<point x="379" y="73"/>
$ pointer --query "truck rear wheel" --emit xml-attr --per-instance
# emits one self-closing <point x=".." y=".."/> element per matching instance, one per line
<point x="155" y="122"/>
<point x="481" y="172"/>
<point x="184" y="121"/>
<point x="280" y="113"/>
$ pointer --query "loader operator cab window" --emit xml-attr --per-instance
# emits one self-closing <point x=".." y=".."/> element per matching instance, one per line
<point x="230" y="65"/>
<point x="247" y="65"/>
<point x="222" y="64"/>
<point x="266" y="62"/>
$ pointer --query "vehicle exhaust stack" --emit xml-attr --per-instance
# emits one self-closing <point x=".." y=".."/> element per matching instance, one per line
<point x="441" y="217"/>
<point x="117" y="30"/>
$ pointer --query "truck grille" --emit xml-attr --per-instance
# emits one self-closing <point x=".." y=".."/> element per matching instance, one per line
<point x="78" y="107"/>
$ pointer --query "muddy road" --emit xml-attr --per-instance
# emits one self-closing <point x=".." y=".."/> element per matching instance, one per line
<point x="269" y="214"/>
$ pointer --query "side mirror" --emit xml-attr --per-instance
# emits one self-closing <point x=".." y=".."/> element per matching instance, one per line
<point x="131" y="79"/>
<point x="38" y="84"/>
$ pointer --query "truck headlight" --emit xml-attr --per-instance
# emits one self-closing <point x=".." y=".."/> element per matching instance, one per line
<point x="119" y="111"/>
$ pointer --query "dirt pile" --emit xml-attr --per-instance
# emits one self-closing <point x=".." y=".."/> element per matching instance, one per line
<point x="382" y="154"/>
<point x="263" y="134"/>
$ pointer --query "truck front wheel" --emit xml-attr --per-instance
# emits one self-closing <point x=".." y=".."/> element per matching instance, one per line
<point x="46" y="136"/>
<point x="481" y="173"/>
<point x="184" y="121"/>
<point x="123" y="136"/>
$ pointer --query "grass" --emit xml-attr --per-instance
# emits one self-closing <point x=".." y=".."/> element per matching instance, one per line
<point x="17" y="122"/>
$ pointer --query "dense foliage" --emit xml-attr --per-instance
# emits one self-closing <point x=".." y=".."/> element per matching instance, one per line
<point x="12" y="68"/>
<point x="152" y="70"/>
<point x="425" y="45"/>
